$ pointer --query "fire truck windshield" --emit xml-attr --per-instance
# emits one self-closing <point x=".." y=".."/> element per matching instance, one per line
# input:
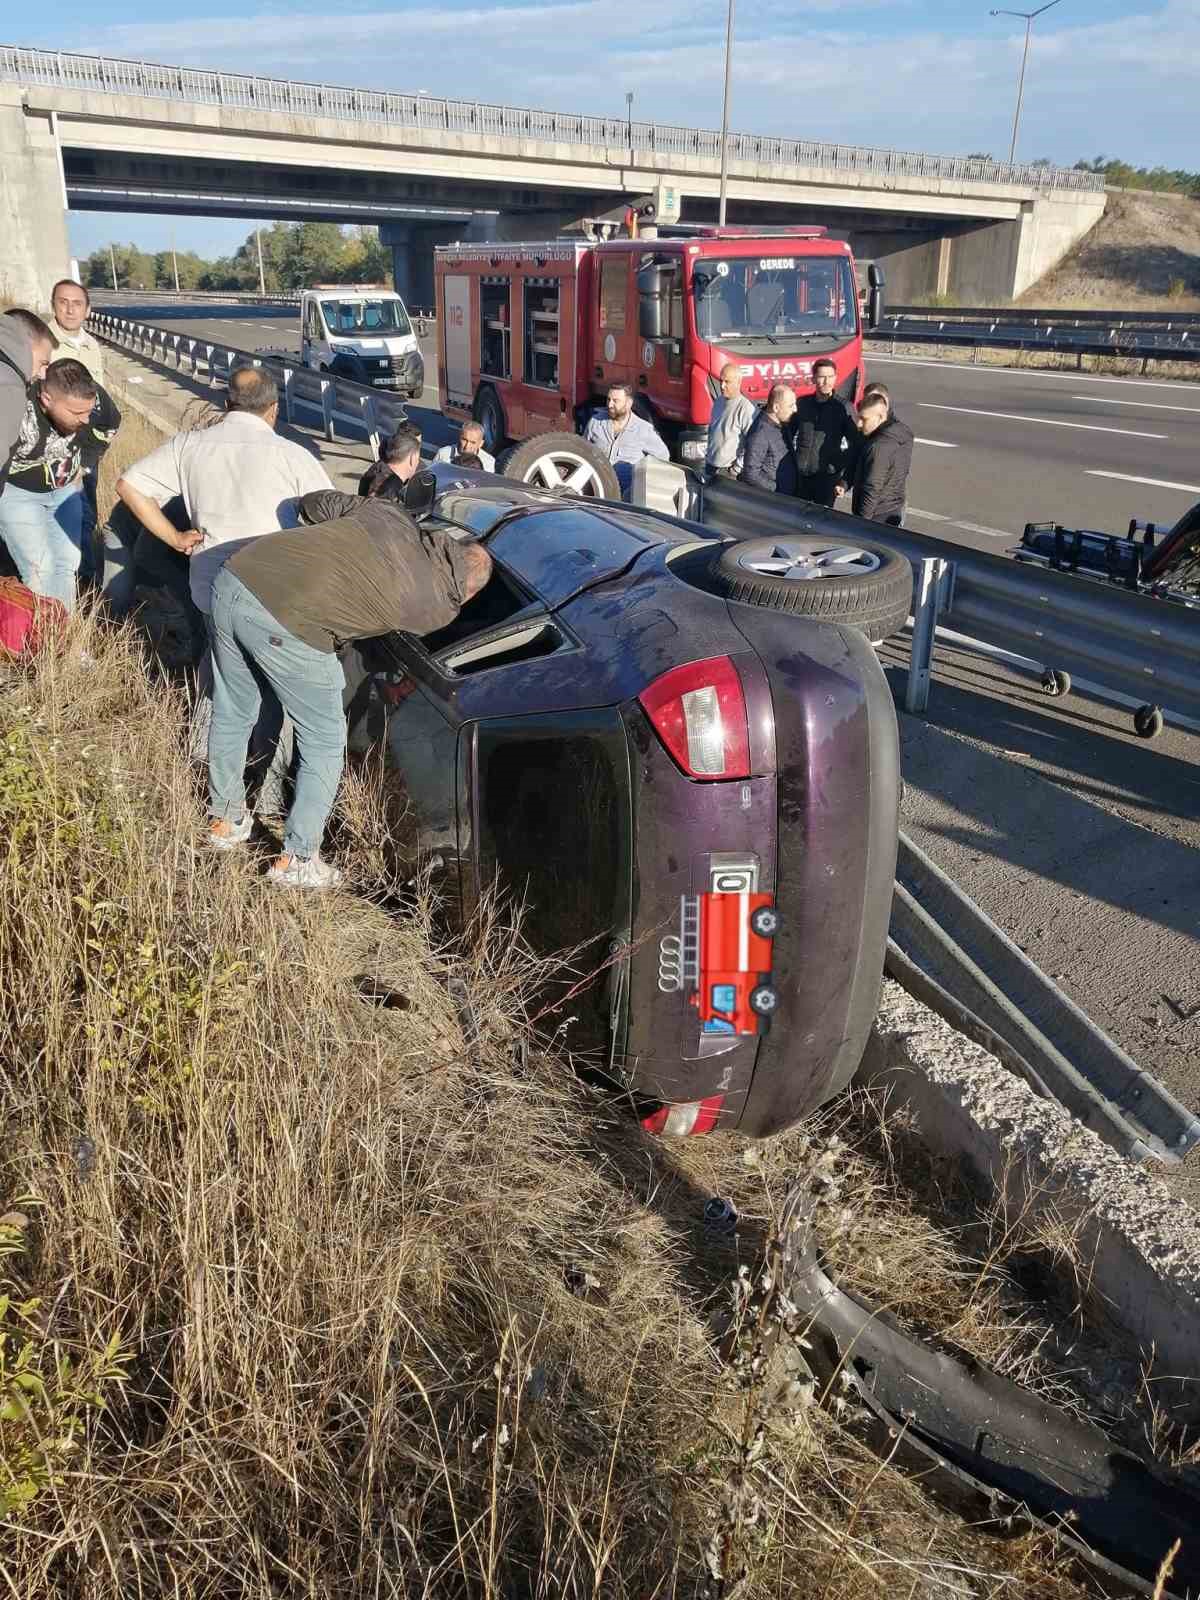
<point x="774" y="298"/>
<point x="354" y="318"/>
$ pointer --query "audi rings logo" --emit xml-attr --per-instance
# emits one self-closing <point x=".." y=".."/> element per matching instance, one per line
<point x="670" y="964"/>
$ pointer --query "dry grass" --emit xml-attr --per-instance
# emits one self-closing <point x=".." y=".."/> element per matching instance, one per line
<point x="358" y="1306"/>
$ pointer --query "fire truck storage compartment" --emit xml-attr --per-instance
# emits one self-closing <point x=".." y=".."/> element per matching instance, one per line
<point x="495" y="314"/>
<point x="541" y="331"/>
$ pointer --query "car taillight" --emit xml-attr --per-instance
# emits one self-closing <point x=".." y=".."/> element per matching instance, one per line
<point x="699" y="713"/>
<point x="688" y="1117"/>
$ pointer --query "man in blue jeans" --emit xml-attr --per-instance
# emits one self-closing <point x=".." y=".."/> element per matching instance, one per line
<point x="43" y="512"/>
<point x="281" y="608"/>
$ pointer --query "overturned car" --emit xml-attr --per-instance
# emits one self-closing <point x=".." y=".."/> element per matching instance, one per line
<point x="627" y="750"/>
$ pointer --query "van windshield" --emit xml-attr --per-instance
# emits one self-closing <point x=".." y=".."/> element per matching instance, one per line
<point x="369" y="318"/>
<point x="764" y="297"/>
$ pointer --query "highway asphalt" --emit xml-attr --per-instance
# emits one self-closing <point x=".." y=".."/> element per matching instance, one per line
<point x="997" y="446"/>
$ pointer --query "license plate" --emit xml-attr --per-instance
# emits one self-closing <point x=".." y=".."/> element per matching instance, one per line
<point x="386" y="383"/>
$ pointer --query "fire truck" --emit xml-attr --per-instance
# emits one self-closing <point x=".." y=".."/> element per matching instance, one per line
<point x="724" y="959"/>
<point x="530" y="336"/>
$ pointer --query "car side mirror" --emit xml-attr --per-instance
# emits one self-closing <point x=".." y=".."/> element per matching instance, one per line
<point x="875" y="281"/>
<point x="420" y="492"/>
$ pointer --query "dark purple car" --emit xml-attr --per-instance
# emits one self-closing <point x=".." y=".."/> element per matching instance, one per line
<point x="612" y="740"/>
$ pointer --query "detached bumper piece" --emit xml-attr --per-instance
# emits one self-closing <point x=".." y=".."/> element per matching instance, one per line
<point x="1003" y="1458"/>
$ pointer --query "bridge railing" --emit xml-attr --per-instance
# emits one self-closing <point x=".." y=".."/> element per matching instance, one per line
<point x="60" y="69"/>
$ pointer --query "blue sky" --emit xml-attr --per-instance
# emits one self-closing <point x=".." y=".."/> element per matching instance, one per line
<point x="1112" y="76"/>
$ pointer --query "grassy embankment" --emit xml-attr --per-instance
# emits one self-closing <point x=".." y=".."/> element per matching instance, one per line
<point x="310" y="1297"/>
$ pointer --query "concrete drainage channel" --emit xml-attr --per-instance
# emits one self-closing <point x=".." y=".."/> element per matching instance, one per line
<point x="1001" y="1076"/>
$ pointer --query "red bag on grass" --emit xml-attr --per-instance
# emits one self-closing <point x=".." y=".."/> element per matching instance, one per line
<point x="28" y="622"/>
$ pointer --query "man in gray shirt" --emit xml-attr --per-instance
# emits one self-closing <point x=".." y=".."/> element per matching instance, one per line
<point x="623" y="436"/>
<point x="732" y="418"/>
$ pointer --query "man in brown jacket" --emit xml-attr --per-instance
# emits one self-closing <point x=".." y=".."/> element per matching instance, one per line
<point x="282" y="607"/>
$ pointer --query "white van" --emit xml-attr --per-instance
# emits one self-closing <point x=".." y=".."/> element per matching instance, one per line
<point x="364" y="335"/>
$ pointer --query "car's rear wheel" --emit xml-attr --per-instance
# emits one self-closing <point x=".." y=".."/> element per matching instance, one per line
<point x="564" y="461"/>
<point x="860" y="585"/>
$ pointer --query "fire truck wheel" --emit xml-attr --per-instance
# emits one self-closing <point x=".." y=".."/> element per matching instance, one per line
<point x="765" y="922"/>
<point x="489" y="414"/>
<point x="763" y="1000"/>
<point x="564" y="461"/>
<point x="863" y="586"/>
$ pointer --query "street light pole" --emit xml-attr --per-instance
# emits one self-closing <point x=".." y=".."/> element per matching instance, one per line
<point x="1027" y="17"/>
<point x="112" y="261"/>
<point x="629" y="121"/>
<point x="262" y="282"/>
<point x="725" y="115"/>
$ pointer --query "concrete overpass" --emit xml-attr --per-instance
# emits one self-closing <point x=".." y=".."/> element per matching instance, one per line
<point x="92" y="133"/>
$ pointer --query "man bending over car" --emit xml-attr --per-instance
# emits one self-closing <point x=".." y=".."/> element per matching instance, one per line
<point x="282" y="607"/>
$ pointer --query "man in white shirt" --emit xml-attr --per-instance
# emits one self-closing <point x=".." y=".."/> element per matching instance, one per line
<point x="732" y="418"/>
<point x="470" y="443"/>
<point x="239" y="480"/>
<point x="71" y="305"/>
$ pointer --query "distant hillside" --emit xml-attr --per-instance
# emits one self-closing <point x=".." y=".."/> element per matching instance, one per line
<point x="1143" y="255"/>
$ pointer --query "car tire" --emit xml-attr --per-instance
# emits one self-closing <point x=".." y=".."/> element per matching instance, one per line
<point x="564" y="461"/>
<point x="869" y="588"/>
<point x="765" y="922"/>
<point x="764" y="1001"/>
<point x="489" y="414"/>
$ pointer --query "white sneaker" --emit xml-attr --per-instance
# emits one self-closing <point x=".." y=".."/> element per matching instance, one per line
<point x="226" y="835"/>
<point x="303" y="872"/>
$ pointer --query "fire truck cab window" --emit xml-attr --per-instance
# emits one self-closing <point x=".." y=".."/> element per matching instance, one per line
<point x="541" y="332"/>
<point x="614" y="279"/>
<point x="755" y="297"/>
<point x="495" y="337"/>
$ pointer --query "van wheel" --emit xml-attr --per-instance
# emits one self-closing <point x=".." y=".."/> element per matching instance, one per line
<point x="564" y="461"/>
<point x="856" y="584"/>
<point x="489" y="414"/>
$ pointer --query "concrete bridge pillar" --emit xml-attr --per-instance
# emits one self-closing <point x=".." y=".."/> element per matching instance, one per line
<point x="34" y="251"/>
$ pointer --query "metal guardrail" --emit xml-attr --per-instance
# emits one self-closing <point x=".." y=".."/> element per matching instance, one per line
<point x="1152" y="345"/>
<point x="338" y="403"/>
<point x="1037" y="317"/>
<point x="940" y="930"/>
<point x="57" y="69"/>
<point x="186" y="296"/>
<point x="1140" y="650"/>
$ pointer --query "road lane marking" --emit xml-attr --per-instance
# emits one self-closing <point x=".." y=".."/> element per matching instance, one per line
<point x="1155" y="483"/>
<point x="1039" y="372"/>
<point x="1041" y="422"/>
<point x="938" y="444"/>
<point x="969" y="527"/>
<point x="1149" y="405"/>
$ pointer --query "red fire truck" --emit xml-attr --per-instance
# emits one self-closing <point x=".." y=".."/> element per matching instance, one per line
<point x="531" y="335"/>
<point x="725" y="959"/>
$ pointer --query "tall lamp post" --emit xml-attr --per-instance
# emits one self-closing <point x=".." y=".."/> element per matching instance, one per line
<point x="629" y="121"/>
<point x="1028" y="18"/>
<point x="725" y="114"/>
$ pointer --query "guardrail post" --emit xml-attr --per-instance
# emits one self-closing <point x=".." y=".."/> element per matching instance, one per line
<point x="287" y="394"/>
<point x="212" y="366"/>
<point x="370" y="420"/>
<point x="933" y="578"/>
<point x="327" y="398"/>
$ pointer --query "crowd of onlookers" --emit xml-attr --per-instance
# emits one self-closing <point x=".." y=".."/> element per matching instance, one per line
<point x="219" y="516"/>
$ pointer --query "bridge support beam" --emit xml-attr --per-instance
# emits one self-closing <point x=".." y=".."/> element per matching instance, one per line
<point x="33" y="218"/>
<point x="413" y="243"/>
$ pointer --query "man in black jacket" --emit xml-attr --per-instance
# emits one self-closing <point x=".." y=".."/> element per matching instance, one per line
<point x="824" y="436"/>
<point x="767" y="461"/>
<point x="884" y="459"/>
